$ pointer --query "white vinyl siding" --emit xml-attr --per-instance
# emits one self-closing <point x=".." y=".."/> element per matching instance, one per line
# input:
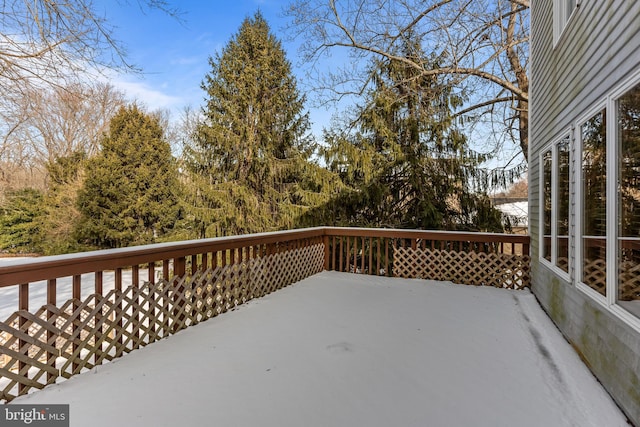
<point x="580" y="65"/>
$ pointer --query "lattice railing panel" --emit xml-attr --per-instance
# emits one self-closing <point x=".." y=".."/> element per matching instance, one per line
<point x="471" y="268"/>
<point x="208" y="293"/>
<point x="63" y="341"/>
<point x="594" y="274"/>
<point x="629" y="279"/>
<point x="563" y="263"/>
<point x="29" y="346"/>
<point x="282" y="269"/>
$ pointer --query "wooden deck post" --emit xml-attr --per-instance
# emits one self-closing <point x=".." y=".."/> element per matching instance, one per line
<point x="325" y="242"/>
<point x="179" y="266"/>
<point x="23" y="304"/>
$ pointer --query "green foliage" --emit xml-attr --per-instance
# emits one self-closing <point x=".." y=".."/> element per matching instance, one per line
<point x="60" y="210"/>
<point x="250" y="156"/>
<point x="247" y="167"/>
<point x="130" y="189"/>
<point x="406" y="163"/>
<point x="20" y="221"/>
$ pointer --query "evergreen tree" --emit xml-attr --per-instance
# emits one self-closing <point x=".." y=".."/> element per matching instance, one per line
<point x="129" y="195"/>
<point x="20" y="221"/>
<point x="60" y="210"/>
<point x="250" y="154"/>
<point x="407" y="164"/>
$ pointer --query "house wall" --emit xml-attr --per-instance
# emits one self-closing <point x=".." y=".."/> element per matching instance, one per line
<point x="600" y="47"/>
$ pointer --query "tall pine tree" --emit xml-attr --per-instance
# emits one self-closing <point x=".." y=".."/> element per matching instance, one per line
<point x="21" y="214"/>
<point x="129" y="195"/>
<point x="407" y="164"/>
<point x="249" y="156"/>
<point x="61" y="212"/>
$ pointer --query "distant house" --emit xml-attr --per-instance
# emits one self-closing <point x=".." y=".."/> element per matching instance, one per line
<point x="584" y="181"/>
<point x="516" y="211"/>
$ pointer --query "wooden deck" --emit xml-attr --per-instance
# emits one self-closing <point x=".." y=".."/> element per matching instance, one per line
<point x="71" y="313"/>
<point x="339" y="349"/>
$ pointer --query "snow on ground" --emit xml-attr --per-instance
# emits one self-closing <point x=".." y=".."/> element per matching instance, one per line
<point x="339" y="349"/>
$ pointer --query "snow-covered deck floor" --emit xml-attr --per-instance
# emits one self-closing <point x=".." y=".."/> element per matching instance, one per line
<point x="351" y="350"/>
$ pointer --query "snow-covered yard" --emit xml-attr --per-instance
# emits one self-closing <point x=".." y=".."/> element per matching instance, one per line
<point x="38" y="290"/>
<point x="340" y="349"/>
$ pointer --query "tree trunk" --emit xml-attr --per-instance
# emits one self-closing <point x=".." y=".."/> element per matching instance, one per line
<point x="523" y="127"/>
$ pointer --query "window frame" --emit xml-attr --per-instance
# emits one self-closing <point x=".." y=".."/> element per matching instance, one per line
<point x="568" y="138"/>
<point x="579" y="201"/>
<point x="610" y="300"/>
<point x="561" y="17"/>
<point x="552" y="263"/>
<point x="613" y="208"/>
<point x="542" y="252"/>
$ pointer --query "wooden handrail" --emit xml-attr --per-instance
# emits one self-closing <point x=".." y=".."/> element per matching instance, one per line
<point x="43" y="268"/>
<point x="457" y="236"/>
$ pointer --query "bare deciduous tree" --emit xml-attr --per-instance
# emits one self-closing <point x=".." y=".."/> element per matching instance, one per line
<point x="42" y="125"/>
<point x="479" y="46"/>
<point x="47" y="49"/>
<point x="47" y="41"/>
<point x="18" y="167"/>
<point x="70" y="119"/>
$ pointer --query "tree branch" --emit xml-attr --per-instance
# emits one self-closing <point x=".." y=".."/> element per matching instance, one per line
<point x="483" y="104"/>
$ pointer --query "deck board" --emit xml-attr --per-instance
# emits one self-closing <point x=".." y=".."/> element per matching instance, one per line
<point x="339" y="349"/>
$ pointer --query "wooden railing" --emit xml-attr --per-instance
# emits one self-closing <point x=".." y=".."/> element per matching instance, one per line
<point x="487" y="259"/>
<point x="77" y="311"/>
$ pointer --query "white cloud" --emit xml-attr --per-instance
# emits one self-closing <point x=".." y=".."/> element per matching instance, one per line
<point x="186" y="60"/>
<point x="150" y="96"/>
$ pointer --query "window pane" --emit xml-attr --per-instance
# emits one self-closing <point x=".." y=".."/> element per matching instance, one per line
<point x="546" y="205"/>
<point x="594" y="203"/>
<point x="570" y="5"/>
<point x="562" y="205"/>
<point x="629" y="200"/>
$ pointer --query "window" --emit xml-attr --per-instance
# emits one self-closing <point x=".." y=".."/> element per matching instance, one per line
<point x="562" y="204"/>
<point x="562" y="10"/>
<point x="628" y="165"/>
<point x="555" y="204"/>
<point x="594" y="202"/>
<point x="546" y="205"/>
<point x="606" y="195"/>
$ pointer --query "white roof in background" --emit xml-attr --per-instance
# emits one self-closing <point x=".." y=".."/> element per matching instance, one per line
<point x="517" y="211"/>
<point x="340" y="349"/>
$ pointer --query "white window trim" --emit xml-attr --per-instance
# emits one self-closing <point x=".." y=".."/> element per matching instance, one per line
<point x="566" y="275"/>
<point x="543" y="260"/>
<point x="612" y="201"/>
<point x="560" y="20"/>
<point x="610" y="301"/>
<point x="553" y="263"/>
<point x="577" y="262"/>
<point x="613" y="209"/>
<point x="573" y="207"/>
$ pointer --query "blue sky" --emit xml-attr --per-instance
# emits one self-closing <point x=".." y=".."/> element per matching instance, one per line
<point x="174" y="54"/>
